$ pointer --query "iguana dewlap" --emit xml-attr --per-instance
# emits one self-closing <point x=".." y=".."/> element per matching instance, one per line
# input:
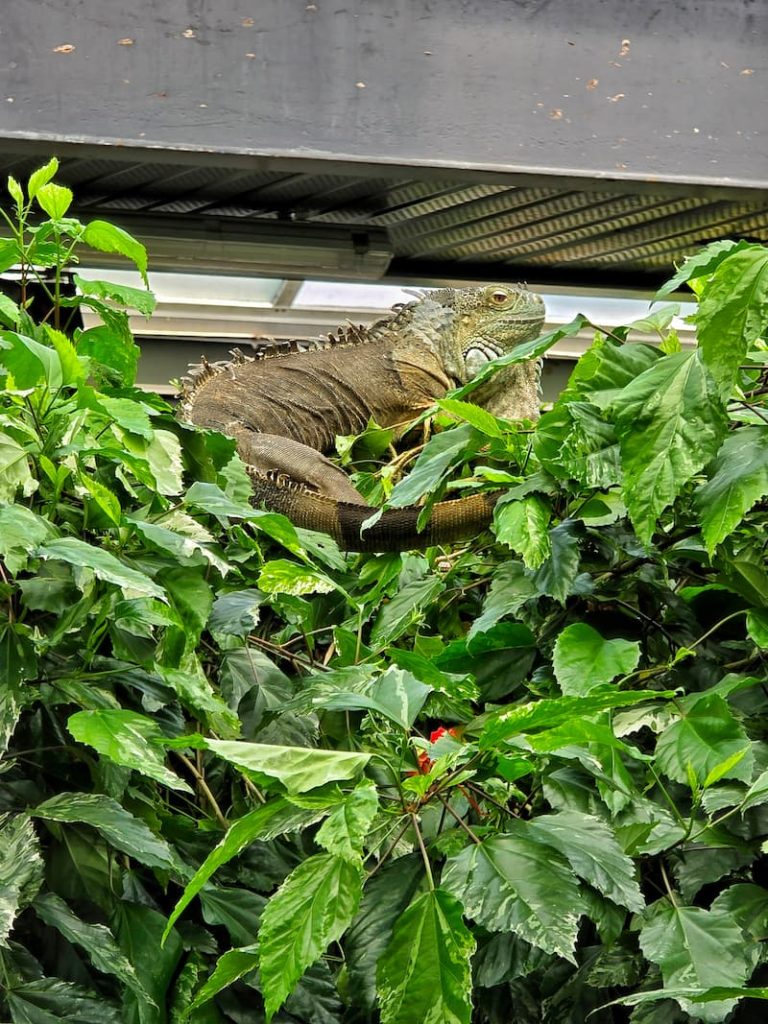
<point x="286" y="409"/>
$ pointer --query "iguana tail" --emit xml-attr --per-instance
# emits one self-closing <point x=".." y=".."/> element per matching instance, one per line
<point x="396" y="528"/>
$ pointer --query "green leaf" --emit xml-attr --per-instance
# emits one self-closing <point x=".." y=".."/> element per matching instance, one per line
<point x="118" y="826"/>
<point x="386" y="896"/>
<point x="126" y="738"/>
<point x="757" y="627"/>
<point x="105" y="566"/>
<point x="17" y="660"/>
<point x="757" y="792"/>
<point x="706" y="735"/>
<point x="404" y="610"/>
<point x="700" y="265"/>
<point x="30" y="362"/>
<point x="424" y="976"/>
<point x="316" y="997"/>
<point x="10" y="254"/>
<point x="581" y="732"/>
<point x="229" y="968"/>
<point x="111" y="350"/>
<point x="605" y="370"/>
<point x="97" y="940"/>
<point x="656" y="321"/>
<point x="397" y="694"/>
<point x="21" y="869"/>
<point x="41" y="177"/>
<point x="696" y="948"/>
<point x="104" y="498"/>
<point x="128" y="413"/>
<point x="50" y="1000"/>
<point x="21" y="531"/>
<point x="182" y="549"/>
<point x="505" y="884"/>
<point x="557" y="574"/>
<point x="210" y="498"/>
<point x="693" y="995"/>
<point x="510" y="588"/>
<point x="310" y="910"/>
<point x="267" y="822"/>
<point x="198" y="695"/>
<point x="733" y="312"/>
<point x="283" y="577"/>
<point x="12" y="694"/>
<point x="163" y="453"/>
<point x="441" y="453"/>
<point x="191" y="597"/>
<point x="747" y="904"/>
<point x="584" y="661"/>
<point x="574" y="440"/>
<point x="593" y="852"/>
<point x="14" y="188"/>
<point x="136" y="298"/>
<point x="55" y="200"/>
<point x="344" y="830"/>
<point x="400" y="696"/>
<point x="299" y="769"/>
<point x="738" y="478"/>
<point x="548" y="713"/>
<point x="671" y="343"/>
<point x="247" y="670"/>
<point x="670" y="423"/>
<point x="236" y="613"/>
<point x="724" y="768"/>
<point x="236" y="909"/>
<point x="74" y="369"/>
<point x="107" y="237"/>
<point x="477" y="417"/>
<point x="504" y="957"/>
<point x="139" y="931"/>
<point x="9" y="311"/>
<point x="522" y="524"/>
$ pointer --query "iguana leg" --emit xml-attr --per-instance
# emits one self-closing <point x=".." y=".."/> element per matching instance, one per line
<point x="270" y="454"/>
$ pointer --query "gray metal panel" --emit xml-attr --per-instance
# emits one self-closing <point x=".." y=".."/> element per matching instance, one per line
<point x="578" y="89"/>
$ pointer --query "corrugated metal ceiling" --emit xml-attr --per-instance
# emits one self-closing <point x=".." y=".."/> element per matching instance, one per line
<point x="611" y="237"/>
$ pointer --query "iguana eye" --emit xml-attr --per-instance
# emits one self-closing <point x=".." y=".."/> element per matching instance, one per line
<point x="499" y="296"/>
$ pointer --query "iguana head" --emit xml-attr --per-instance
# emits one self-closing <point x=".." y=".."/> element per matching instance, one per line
<point x="486" y="322"/>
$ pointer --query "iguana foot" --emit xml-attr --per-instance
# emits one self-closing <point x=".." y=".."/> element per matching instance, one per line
<point x="271" y="455"/>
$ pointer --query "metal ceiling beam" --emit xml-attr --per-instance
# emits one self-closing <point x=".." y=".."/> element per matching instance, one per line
<point x="226" y="246"/>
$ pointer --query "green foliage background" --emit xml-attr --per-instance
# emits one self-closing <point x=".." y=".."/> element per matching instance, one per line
<point x="247" y="777"/>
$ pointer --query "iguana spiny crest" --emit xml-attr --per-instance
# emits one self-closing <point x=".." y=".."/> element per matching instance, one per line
<point x="285" y="409"/>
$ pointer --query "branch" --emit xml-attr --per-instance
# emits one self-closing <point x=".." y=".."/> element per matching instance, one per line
<point x="202" y="785"/>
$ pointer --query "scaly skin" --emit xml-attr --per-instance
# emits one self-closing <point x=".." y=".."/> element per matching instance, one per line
<point x="285" y="410"/>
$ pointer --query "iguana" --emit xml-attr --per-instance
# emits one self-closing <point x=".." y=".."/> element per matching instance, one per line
<point x="285" y="409"/>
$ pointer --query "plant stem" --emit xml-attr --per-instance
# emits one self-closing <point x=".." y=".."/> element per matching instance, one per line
<point x="717" y="625"/>
<point x="424" y="854"/>
<point x="667" y="883"/>
<point x="202" y="785"/>
<point x="460" y="821"/>
<point x="668" y="798"/>
<point x="383" y="859"/>
<point x="253" y="790"/>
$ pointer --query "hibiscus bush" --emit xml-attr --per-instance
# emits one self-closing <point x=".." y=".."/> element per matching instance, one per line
<point x="248" y="777"/>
